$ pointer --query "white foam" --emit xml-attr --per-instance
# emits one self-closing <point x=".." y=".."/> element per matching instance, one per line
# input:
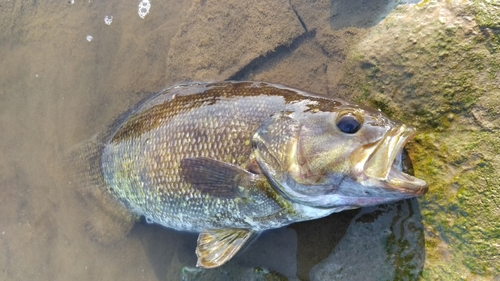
<point x="108" y="20"/>
<point x="89" y="38"/>
<point x="144" y="7"/>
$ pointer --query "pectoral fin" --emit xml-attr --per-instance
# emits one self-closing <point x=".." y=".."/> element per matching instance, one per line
<point x="217" y="246"/>
<point x="219" y="179"/>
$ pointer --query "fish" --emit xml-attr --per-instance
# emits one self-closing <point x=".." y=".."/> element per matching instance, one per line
<point x="232" y="159"/>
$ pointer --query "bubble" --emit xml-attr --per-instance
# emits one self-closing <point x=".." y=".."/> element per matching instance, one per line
<point x="149" y="220"/>
<point x="144" y="7"/>
<point x="89" y="38"/>
<point x="108" y="20"/>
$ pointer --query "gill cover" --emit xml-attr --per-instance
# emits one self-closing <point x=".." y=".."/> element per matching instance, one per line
<point x="282" y="160"/>
<point x="339" y="160"/>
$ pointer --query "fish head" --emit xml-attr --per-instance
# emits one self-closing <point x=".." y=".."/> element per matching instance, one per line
<point x="343" y="158"/>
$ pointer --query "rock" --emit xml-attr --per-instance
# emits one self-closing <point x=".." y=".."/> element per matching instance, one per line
<point x="436" y="65"/>
<point x="275" y="250"/>
<point x="313" y="13"/>
<point x="318" y="238"/>
<point x="219" y="38"/>
<point x="487" y="14"/>
<point x="308" y="57"/>
<point x="368" y="13"/>
<point x="382" y="243"/>
<point x="230" y="273"/>
<point x="343" y="14"/>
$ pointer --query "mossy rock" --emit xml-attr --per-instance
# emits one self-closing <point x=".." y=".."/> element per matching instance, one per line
<point x="436" y="65"/>
<point x="486" y="12"/>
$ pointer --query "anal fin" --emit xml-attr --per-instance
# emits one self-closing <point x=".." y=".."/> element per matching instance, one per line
<point x="217" y="246"/>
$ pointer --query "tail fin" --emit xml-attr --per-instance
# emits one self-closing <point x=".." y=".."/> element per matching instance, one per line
<point x="108" y="220"/>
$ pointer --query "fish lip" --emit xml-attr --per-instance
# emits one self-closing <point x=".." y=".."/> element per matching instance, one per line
<point x="380" y="165"/>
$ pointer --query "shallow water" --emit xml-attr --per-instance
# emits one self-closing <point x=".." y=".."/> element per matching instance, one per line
<point x="56" y="90"/>
<point x="66" y="73"/>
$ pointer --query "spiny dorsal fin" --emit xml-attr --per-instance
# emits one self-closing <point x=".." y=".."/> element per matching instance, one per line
<point x="217" y="246"/>
<point x="219" y="179"/>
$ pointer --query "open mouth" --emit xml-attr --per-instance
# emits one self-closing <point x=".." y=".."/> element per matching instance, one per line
<point x="402" y="179"/>
<point x="386" y="163"/>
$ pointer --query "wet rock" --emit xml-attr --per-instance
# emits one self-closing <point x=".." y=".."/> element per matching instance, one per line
<point x="308" y="57"/>
<point x="218" y="38"/>
<point x="343" y="14"/>
<point x="368" y="13"/>
<point x="485" y="112"/>
<point x="275" y="250"/>
<point x="231" y="273"/>
<point x="382" y="243"/>
<point x="313" y="62"/>
<point x="318" y="238"/>
<point x="272" y="256"/>
<point x="486" y="13"/>
<point x="436" y="65"/>
<point x="313" y="13"/>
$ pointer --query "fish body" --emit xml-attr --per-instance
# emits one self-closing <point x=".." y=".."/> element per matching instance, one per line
<point x="232" y="159"/>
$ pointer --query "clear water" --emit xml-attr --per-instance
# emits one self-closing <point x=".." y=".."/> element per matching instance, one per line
<point x="69" y="67"/>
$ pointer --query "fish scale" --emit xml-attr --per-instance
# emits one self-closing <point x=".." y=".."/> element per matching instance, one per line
<point x="231" y="159"/>
<point x="197" y="128"/>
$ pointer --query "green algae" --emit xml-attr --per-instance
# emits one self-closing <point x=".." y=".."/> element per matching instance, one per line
<point x="438" y="61"/>
<point x="436" y="66"/>
<point x="462" y="208"/>
<point x="487" y="13"/>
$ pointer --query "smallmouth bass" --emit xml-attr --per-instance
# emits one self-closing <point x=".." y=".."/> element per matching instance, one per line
<point x="232" y="159"/>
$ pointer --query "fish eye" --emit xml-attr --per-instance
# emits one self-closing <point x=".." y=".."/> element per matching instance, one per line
<point x="348" y="123"/>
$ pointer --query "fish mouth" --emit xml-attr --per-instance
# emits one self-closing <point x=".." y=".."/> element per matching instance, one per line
<point x="384" y="163"/>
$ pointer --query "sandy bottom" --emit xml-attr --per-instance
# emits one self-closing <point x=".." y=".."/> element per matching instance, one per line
<point x="59" y="86"/>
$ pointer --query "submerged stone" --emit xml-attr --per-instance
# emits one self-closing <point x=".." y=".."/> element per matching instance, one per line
<point x="219" y="38"/>
<point x="437" y="66"/>
<point x="382" y="243"/>
<point x="231" y="273"/>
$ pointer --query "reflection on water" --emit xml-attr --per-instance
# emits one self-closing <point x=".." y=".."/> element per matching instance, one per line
<point x="57" y="89"/>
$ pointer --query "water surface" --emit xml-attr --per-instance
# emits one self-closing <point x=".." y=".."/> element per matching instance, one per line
<point x="69" y="68"/>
